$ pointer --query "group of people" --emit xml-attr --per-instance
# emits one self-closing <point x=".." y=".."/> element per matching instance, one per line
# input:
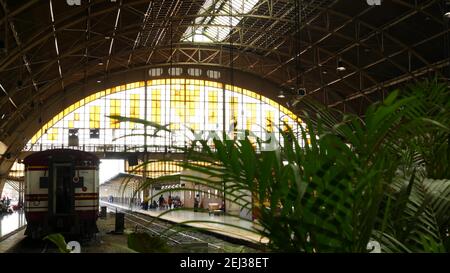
<point x="111" y="199"/>
<point x="174" y="202"/>
<point x="6" y="200"/>
<point x="170" y="203"/>
<point x="5" y="203"/>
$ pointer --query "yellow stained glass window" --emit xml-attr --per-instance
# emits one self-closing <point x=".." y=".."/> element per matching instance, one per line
<point x="269" y="120"/>
<point x="212" y="107"/>
<point x="191" y="107"/>
<point x="234" y="111"/>
<point x="177" y="101"/>
<point x="195" y="126"/>
<point x="114" y="110"/>
<point x="134" y="108"/>
<point x="251" y="115"/>
<point x="156" y="106"/>
<point x="94" y="117"/>
<point x="196" y="103"/>
<point x="52" y="134"/>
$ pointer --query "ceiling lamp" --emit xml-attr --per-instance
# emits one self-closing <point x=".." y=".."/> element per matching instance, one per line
<point x="447" y="9"/>
<point x="340" y="66"/>
<point x="281" y="94"/>
<point x="301" y="91"/>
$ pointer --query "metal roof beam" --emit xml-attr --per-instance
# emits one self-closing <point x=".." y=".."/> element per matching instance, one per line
<point x="429" y="68"/>
<point x="58" y="58"/>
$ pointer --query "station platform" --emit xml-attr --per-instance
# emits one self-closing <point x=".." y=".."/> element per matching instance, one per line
<point x="223" y="225"/>
<point x="12" y="240"/>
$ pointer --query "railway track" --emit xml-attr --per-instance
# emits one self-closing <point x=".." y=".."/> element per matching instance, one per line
<point x="178" y="238"/>
<point x="174" y="237"/>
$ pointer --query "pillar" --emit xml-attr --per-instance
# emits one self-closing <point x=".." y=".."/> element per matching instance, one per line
<point x="2" y="185"/>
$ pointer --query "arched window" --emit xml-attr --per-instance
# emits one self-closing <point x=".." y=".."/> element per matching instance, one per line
<point x="180" y="105"/>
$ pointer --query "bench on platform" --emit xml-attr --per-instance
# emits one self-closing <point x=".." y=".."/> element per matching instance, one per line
<point x="214" y="208"/>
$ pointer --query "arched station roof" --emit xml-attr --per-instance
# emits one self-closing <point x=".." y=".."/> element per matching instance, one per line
<point x="51" y="51"/>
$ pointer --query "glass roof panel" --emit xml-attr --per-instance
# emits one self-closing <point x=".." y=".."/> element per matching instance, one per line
<point x="214" y="22"/>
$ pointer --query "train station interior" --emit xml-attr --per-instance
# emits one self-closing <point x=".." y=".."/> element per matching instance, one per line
<point x="225" y="125"/>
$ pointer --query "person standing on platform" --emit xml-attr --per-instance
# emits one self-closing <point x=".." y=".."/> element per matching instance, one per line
<point x="161" y="201"/>
<point x="169" y="201"/>
<point x="196" y="202"/>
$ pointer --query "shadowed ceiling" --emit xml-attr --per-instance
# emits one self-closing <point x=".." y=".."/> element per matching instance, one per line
<point x="49" y="48"/>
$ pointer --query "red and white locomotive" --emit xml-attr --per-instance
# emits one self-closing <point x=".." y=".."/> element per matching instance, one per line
<point x="61" y="193"/>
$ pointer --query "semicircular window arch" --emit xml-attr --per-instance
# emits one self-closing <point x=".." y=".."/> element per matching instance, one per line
<point x="181" y="104"/>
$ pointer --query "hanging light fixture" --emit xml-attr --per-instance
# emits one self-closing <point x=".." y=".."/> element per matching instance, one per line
<point x="447" y="15"/>
<point x="340" y="66"/>
<point x="298" y="91"/>
<point x="301" y="91"/>
<point x="297" y="44"/>
<point x="447" y="8"/>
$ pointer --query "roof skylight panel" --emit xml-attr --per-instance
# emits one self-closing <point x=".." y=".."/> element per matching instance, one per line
<point x="215" y="20"/>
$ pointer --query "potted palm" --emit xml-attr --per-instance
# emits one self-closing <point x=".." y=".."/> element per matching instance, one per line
<point x="344" y="181"/>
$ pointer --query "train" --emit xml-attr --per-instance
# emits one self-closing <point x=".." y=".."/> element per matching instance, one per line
<point x="61" y="193"/>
